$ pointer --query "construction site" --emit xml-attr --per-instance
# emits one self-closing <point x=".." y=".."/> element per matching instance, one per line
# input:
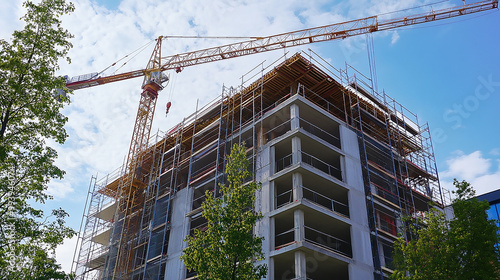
<point x="340" y="164"/>
<point x="325" y="147"/>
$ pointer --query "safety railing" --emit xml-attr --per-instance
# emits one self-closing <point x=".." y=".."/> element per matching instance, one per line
<point x="284" y="238"/>
<point x="388" y="262"/>
<point x="283" y="162"/>
<point x="284" y="198"/>
<point x="328" y="241"/>
<point x="321" y="102"/>
<point x="197" y="202"/>
<point x="206" y="170"/>
<point x="385" y="194"/>
<point x="201" y="227"/>
<point x="317" y="131"/>
<point x="315" y="237"/>
<point x="325" y="201"/>
<point x="277" y="131"/>
<point x="321" y="165"/>
<point x="387" y="226"/>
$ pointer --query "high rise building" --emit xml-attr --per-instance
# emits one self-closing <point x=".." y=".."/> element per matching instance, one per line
<point x="339" y="163"/>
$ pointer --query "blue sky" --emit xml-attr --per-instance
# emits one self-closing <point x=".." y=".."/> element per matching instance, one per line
<point x="447" y="72"/>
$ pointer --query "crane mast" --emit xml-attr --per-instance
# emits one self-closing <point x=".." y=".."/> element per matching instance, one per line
<point x="131" y="184"/>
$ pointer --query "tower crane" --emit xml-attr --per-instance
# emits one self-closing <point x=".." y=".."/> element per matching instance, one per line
<point x="129" y="185"/>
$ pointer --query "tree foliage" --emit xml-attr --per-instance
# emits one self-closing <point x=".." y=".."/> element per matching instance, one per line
<point x="227" y="248"/>
<point x="30" y="117"/>
<point x="460" y="248"/>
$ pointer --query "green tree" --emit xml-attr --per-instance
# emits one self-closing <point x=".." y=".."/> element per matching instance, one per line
<point x="30" y="117"/>
<point x="227" y="248"/>
<point x="460" y="248"/>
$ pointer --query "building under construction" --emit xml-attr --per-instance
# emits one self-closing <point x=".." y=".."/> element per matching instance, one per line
<point x="339" y="163"/>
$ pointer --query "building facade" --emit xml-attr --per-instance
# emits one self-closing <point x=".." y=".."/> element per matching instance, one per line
<point x="339" y="163"/>
<point x="493" y="199"/>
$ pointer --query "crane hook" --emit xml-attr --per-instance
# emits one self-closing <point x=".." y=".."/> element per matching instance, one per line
<point x="168" y="107"/>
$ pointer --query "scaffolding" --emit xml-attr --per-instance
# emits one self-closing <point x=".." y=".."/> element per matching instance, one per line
<point x="399" y="168"/>
<point x="126" y="235"/>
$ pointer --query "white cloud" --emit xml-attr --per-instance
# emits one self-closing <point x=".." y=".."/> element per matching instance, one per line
<point x="467" y="167"/>
<point x="395" y="37"/>
<point x="59" y="189"/>
<point x="10" y="12"/>
<point x="495" y="152"/>
<point x="65" y="253"/>
<point x="473" y="168"/>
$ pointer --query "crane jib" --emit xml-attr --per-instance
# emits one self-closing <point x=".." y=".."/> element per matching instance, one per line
<point x="300" y="37"/>
<point x="94" y="79"/>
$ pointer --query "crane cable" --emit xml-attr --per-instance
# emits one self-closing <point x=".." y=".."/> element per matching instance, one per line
<point x="138" y="50"/>
<point x="171" y="87"/>
<point x="174" y="77"/>
<point x="416" y="7"/>
<point x="446" y="23"/>
<point x="209" y="37"/>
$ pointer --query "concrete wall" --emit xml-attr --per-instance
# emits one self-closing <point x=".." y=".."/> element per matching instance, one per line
<point x="264" y="201"/>
<point x="175" y="268"/>
<point x="362" y="266"/>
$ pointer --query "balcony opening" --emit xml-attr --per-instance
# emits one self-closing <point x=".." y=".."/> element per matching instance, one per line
<point x="197" y="222"/>
<point x="284" y="230"/>
<point x="283" y="191"/>
<point x="325" y="193"/>
<point x="386" y="222"/>
<point x="327" y="232"/>
<point x="276" y="125"/>
<point x="199" y="193"/>
<point x="283" y="155"/>
<point x="319" y="125"/>
<point x="284" y="266"/>
<point x="387" y="250"/>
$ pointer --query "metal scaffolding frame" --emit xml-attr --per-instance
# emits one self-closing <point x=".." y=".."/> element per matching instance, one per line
<point x="399" y="168"/>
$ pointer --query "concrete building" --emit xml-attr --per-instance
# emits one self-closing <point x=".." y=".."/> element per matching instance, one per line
<point x="339" y="165"/>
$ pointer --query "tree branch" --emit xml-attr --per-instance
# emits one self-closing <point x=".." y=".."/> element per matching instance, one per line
<point x="5" y="120"/>
<point x="235" y="262"/>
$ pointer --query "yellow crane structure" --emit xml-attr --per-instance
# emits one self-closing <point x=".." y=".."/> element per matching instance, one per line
<point x="128" y="189"/>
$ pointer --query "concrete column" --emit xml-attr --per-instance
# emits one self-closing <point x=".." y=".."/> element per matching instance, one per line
<point x="272" y="234"/>
<point x="270" y="269"/>
<point x="297" y="186"/>
<point x="272" y="198"/>
<point x="298" y="222"/>
<point x="296" y="150"/>
<point x="294" y="116"/>
<point x="300" y="265"/>
<point x="272" y="160"/>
